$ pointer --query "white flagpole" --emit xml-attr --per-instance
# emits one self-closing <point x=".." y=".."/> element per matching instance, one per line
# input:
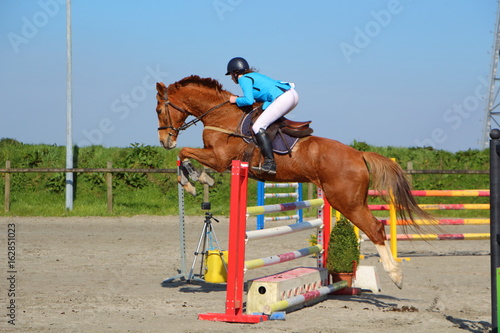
<point x="69" y="111"/>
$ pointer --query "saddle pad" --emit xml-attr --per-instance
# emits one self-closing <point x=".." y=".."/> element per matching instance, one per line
<point x="279" y="146"/>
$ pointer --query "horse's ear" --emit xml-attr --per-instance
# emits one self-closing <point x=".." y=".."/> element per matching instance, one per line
<point x="161" y="88"/>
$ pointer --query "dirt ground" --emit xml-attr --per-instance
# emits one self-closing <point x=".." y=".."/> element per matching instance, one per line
<point x="100" y="274"/>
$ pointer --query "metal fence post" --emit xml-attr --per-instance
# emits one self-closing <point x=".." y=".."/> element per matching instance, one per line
<point x="494" y="222"/>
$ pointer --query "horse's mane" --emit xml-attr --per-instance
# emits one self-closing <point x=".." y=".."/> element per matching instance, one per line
<point x="196" y="80"/>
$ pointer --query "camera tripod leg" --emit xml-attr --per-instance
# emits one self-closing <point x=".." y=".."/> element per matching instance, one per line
<point x="202" y="240"/>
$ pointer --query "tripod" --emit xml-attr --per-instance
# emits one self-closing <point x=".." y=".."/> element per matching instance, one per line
<point x="207" y="232"/>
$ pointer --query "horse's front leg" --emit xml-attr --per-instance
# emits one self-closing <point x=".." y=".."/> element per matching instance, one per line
<point x="196" y="175"/>
<point x="203" y="155"/>
<point x="190" y="170"/>
<point x="187" y="171"/>
<point x="206" y="156"/>
<point x="184" y="181"/>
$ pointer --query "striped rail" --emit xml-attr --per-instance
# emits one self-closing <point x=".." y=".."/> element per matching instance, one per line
<point x="257" y="210"/>
<point x="393" y="221"/>
<point x="440" y="193"/>
<point x="299" y="299"/>
<point x="262" y="196"/>
<point x="437" y="206"/>
<point x="429" y="237"/>
<point x="278" y="259"/>
<point x="283" y="230"/>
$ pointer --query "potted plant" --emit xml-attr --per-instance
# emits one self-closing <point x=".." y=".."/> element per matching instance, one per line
<point x="343" y="252"/>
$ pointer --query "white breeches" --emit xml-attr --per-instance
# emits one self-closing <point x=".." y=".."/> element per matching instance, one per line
<point x="280" y="107"/>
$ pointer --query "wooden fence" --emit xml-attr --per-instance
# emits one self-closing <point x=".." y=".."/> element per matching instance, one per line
<point x="109" y="170"/>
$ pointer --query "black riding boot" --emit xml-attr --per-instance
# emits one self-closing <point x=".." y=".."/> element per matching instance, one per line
<point x="266" y="149"/>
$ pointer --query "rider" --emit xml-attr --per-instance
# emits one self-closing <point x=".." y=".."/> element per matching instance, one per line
<point x="279" y="98"/>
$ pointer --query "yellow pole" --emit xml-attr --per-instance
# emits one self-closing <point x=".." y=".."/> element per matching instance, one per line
<point x="393" y="226"/>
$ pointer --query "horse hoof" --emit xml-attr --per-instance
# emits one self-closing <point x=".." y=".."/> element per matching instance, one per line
<point x="206" y="179"/>
<point x="189" y="188"/>
<point x="397" y="278"/>
<point x="192" y="172"/>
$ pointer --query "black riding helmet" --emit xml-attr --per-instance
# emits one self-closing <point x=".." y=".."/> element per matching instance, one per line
<point x="237" y="64"/>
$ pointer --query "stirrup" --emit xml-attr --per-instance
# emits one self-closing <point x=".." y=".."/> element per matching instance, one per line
<point x="268" y="167"/>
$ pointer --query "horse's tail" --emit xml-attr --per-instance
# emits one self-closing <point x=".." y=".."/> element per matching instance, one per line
<point x="388" y="178"/>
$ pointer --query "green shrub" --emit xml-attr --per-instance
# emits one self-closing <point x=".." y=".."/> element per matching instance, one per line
<point x="343" y="248"/>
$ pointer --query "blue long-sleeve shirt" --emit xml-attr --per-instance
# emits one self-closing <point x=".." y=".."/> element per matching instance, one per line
<point x="260" y="88"/>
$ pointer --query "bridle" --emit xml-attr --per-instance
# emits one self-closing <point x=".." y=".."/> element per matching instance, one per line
<point x="188" y="124"/>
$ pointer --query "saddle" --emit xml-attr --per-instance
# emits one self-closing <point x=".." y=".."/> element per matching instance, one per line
<point x="296" y="129"/>
<point x="284" y="133"/>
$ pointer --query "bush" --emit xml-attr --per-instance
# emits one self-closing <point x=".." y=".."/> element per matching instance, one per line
<point x="343" y="248"/>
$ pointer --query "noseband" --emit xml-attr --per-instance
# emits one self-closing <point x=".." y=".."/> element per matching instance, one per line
<point x="185" y="125"/>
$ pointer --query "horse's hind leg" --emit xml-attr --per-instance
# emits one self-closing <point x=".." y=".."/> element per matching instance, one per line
<point x="391" y="266"/>
<point x="364" y="220"/>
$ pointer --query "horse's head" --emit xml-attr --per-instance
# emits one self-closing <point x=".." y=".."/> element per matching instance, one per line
<point x="170" y="118"/>
<point x="202" y="98"/>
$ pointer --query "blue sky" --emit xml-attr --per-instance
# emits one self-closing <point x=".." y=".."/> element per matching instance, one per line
<point x="390" y="73"/>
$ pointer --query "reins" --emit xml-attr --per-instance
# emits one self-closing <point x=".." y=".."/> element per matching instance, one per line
<point x="190" y="123"/>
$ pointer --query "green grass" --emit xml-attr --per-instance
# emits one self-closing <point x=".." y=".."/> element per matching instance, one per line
<point x="42" y="194"/>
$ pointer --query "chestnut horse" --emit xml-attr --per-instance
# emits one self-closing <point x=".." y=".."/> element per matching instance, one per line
<point x="342" y="172"/>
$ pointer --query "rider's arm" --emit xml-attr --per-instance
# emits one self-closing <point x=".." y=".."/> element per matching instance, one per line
<point x="246" y="85"/>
